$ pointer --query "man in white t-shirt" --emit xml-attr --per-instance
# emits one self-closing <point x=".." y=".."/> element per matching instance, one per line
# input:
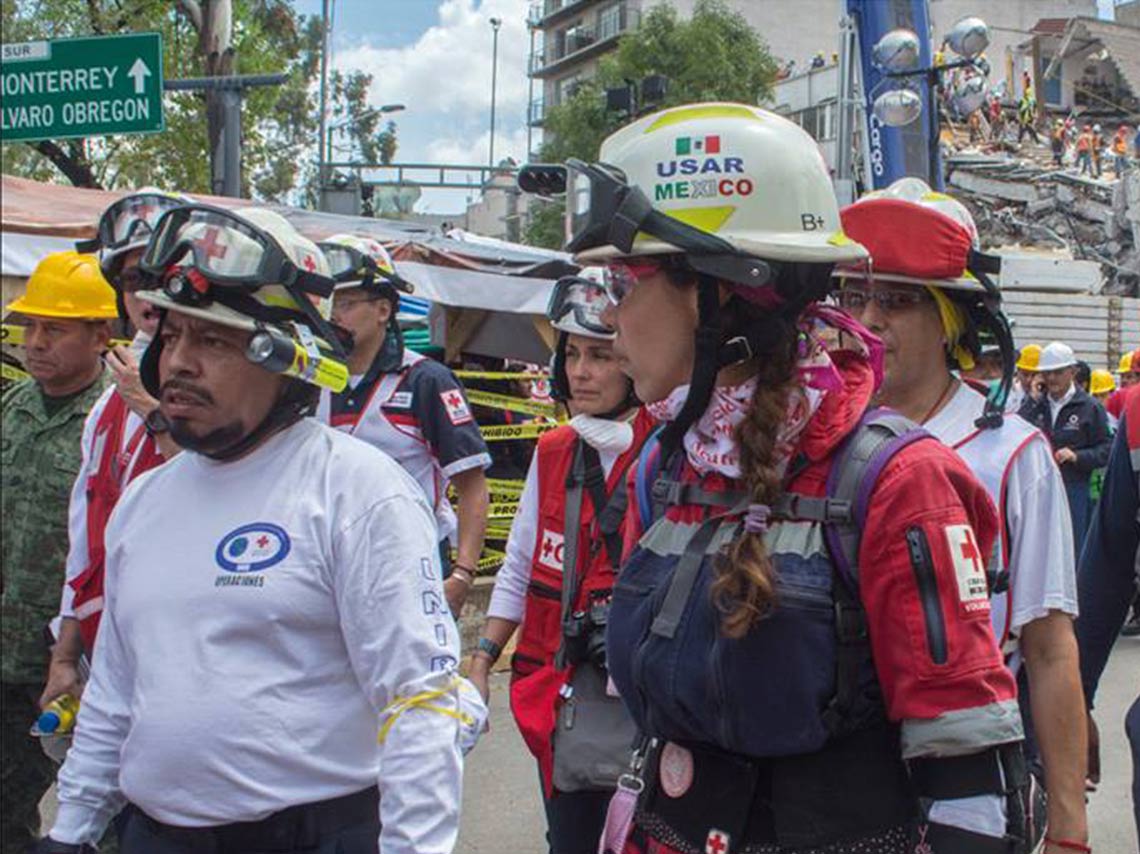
<point x="276" y="668"/>
<point x="928" y="299"/>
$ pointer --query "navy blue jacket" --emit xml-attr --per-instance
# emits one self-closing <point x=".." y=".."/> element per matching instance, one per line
<point x="1082" y="425"/>
<point x="1106" y="575"/>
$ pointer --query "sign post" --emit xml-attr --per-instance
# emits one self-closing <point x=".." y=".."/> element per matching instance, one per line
<point x="94" y="86"/>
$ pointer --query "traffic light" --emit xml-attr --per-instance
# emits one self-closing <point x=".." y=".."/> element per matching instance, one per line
<point x="543" y="179"/>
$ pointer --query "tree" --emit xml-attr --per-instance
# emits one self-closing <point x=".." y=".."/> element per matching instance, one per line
<point x="713" y="56"/>
<point x="200" y="38"/>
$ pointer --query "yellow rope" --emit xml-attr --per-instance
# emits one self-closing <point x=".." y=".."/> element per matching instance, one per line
<point x="422" y="700"/>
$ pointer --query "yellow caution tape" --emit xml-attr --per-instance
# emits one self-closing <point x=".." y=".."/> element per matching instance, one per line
<point x="513" y="404"/>
<point x="502" y="511"/>
<point x="506" y="432"/>
<point x="11" y="333"/>
<point x="12" y="373"/>
<point x="499" y="486"/>
<point x="500" y="375"/>
<point x="491" y="560"/>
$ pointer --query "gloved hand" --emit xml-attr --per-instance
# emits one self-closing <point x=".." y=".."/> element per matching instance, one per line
<point x="47" y="845"/>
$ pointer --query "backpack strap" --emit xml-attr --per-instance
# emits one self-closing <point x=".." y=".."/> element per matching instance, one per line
<point x="575" y="484"/>
<point x="880" y="434"/>
<point x="648" y="464"/>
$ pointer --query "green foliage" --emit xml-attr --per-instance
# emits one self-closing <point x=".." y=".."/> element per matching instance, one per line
<point x="360" y="122"/>
<point x="713" y="56"/>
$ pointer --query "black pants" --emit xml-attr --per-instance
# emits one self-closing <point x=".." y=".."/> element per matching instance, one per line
<point x="347" y="825"/>
<point x="574" y="821"/>
<point x="25" y="771"/>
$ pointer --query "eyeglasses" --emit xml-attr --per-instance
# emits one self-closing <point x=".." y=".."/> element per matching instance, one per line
<point x="345" y="304"/>
<point x="889" y="301"/>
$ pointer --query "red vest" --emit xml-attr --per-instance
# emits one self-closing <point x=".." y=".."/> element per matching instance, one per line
<point x="113" y="452"/>
<point x="535" y="680"/>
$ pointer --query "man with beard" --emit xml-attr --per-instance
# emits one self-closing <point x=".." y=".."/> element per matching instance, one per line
<point x="275" y="668"/>
<point x="69" y="308"/>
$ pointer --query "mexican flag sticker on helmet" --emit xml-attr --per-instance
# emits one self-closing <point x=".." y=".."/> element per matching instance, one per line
<point x="739" y="173"/>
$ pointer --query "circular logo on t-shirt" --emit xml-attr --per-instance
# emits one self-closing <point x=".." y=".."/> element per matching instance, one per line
<point x="252" y="548"/>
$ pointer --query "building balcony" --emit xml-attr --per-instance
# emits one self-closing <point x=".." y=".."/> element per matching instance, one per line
<point x="547" y="13"/>
<point x="598" y="35"/>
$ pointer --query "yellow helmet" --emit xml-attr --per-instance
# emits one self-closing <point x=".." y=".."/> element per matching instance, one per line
<point x="67" y="285"/>
<point x="1101" y="382"/>
<point x="1029" y="358"/>
<point x="1128" y="361"/>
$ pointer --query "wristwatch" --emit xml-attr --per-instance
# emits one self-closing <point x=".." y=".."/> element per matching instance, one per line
<point x="156" y="422"/>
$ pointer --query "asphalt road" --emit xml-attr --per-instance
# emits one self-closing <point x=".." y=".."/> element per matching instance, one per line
<point x="502" y="810"/>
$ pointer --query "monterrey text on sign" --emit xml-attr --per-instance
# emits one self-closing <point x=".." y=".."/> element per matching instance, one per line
<point x="81" y="87"/>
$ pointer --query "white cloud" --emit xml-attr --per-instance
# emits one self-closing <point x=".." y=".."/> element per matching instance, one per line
<point x="449" y="68"/>
<point x="466" y="149"/>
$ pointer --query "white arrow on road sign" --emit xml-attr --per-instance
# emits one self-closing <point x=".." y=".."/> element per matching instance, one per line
<point x="140" y="72"/>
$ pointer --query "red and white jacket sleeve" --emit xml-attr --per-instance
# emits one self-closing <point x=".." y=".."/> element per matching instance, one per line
<point x="923" y="583"/>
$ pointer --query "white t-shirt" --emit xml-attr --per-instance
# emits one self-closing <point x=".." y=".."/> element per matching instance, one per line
<point x="508" y="598"/>
<point x="1036" y="514"/>
<point x="262" y="616"/>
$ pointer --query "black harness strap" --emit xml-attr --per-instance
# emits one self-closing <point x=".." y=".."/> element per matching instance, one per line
<point x="575" y="481"/>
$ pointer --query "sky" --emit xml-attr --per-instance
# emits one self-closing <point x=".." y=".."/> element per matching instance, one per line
<point x="434" y="57"/>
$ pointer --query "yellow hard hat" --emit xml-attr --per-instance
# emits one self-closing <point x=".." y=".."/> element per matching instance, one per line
<point x="1101" y="382"/>
<point x="1030" y="356"/>
<point x="68" y="285"/>
<point x="1128" y="362"/>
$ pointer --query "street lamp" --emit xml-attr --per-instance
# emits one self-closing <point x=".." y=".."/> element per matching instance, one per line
<point x="348" y="120"/>
<point x="495" y="24"/>
<point x="897" y="54"/>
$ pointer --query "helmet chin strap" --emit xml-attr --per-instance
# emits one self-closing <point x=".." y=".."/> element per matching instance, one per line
<point x="293" y="403"/>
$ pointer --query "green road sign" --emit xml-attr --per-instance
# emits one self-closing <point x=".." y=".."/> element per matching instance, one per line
<point x="81" y="87"/>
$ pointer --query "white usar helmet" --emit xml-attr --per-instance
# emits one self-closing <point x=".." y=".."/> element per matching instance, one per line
<point x="576" y="306"/>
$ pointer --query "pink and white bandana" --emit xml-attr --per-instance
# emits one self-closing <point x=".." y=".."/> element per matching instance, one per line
<point x="710" y="443"/>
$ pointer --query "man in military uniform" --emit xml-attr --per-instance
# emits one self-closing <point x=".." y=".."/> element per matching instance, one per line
<point x="69" y="308"/>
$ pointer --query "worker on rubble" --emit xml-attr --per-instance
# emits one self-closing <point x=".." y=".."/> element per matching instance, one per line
<point x="794" y="691"/>
<point x="1096" y="150"/>
<point x="1027" y="115"/>
<point x="1120" y="151"/>
<point x="1057" y="143"/>
<point x="557" y="580"/>
<point x="411" y="407"/>
<point x="1084" y="150"/>
<point x="932" y="320"/>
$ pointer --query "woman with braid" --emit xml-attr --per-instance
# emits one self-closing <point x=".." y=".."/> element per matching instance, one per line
<point x="800" y="627"/>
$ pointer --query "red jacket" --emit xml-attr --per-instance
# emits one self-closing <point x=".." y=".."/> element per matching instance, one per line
<point x="111" y="473"/>
<point x="536" y="681"/>
<point x="962" y="699"/>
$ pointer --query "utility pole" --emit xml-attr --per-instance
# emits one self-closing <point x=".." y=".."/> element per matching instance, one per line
<point x="226" y="180"/>
<point x="324" y="93"/>
<point x="495" y="24"/>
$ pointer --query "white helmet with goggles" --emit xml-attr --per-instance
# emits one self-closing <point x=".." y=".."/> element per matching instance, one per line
<point x="919" y="236"/>
<point x="250" y="270"/>
<point x="126" y="225"/>
<point x="362" y="262"/>
<point x="710" y="181"/>
<point x="577" y="303"/>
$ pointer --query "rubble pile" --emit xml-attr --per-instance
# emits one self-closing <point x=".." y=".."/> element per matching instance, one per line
<point x="1023" y="204"/>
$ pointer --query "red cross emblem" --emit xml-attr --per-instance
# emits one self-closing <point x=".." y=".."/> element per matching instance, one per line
<point x="453" y="399"/>
<point x="214" y="248"/>
<point x="262" y="541"/>
<point x="550" y="550"/>
<point x="969" y="549"/>
<point x="717" y="842"/>
<point x="309" y="264"/>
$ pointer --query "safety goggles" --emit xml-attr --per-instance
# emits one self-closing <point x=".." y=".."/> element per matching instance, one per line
<point x="603" y="209"/>
<point x="351" y="265"/>
<point x="227" y="252"/>
<point x="131" y="219"/>
<point x="855" y="299"/>
<point x="581" y="299"/>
